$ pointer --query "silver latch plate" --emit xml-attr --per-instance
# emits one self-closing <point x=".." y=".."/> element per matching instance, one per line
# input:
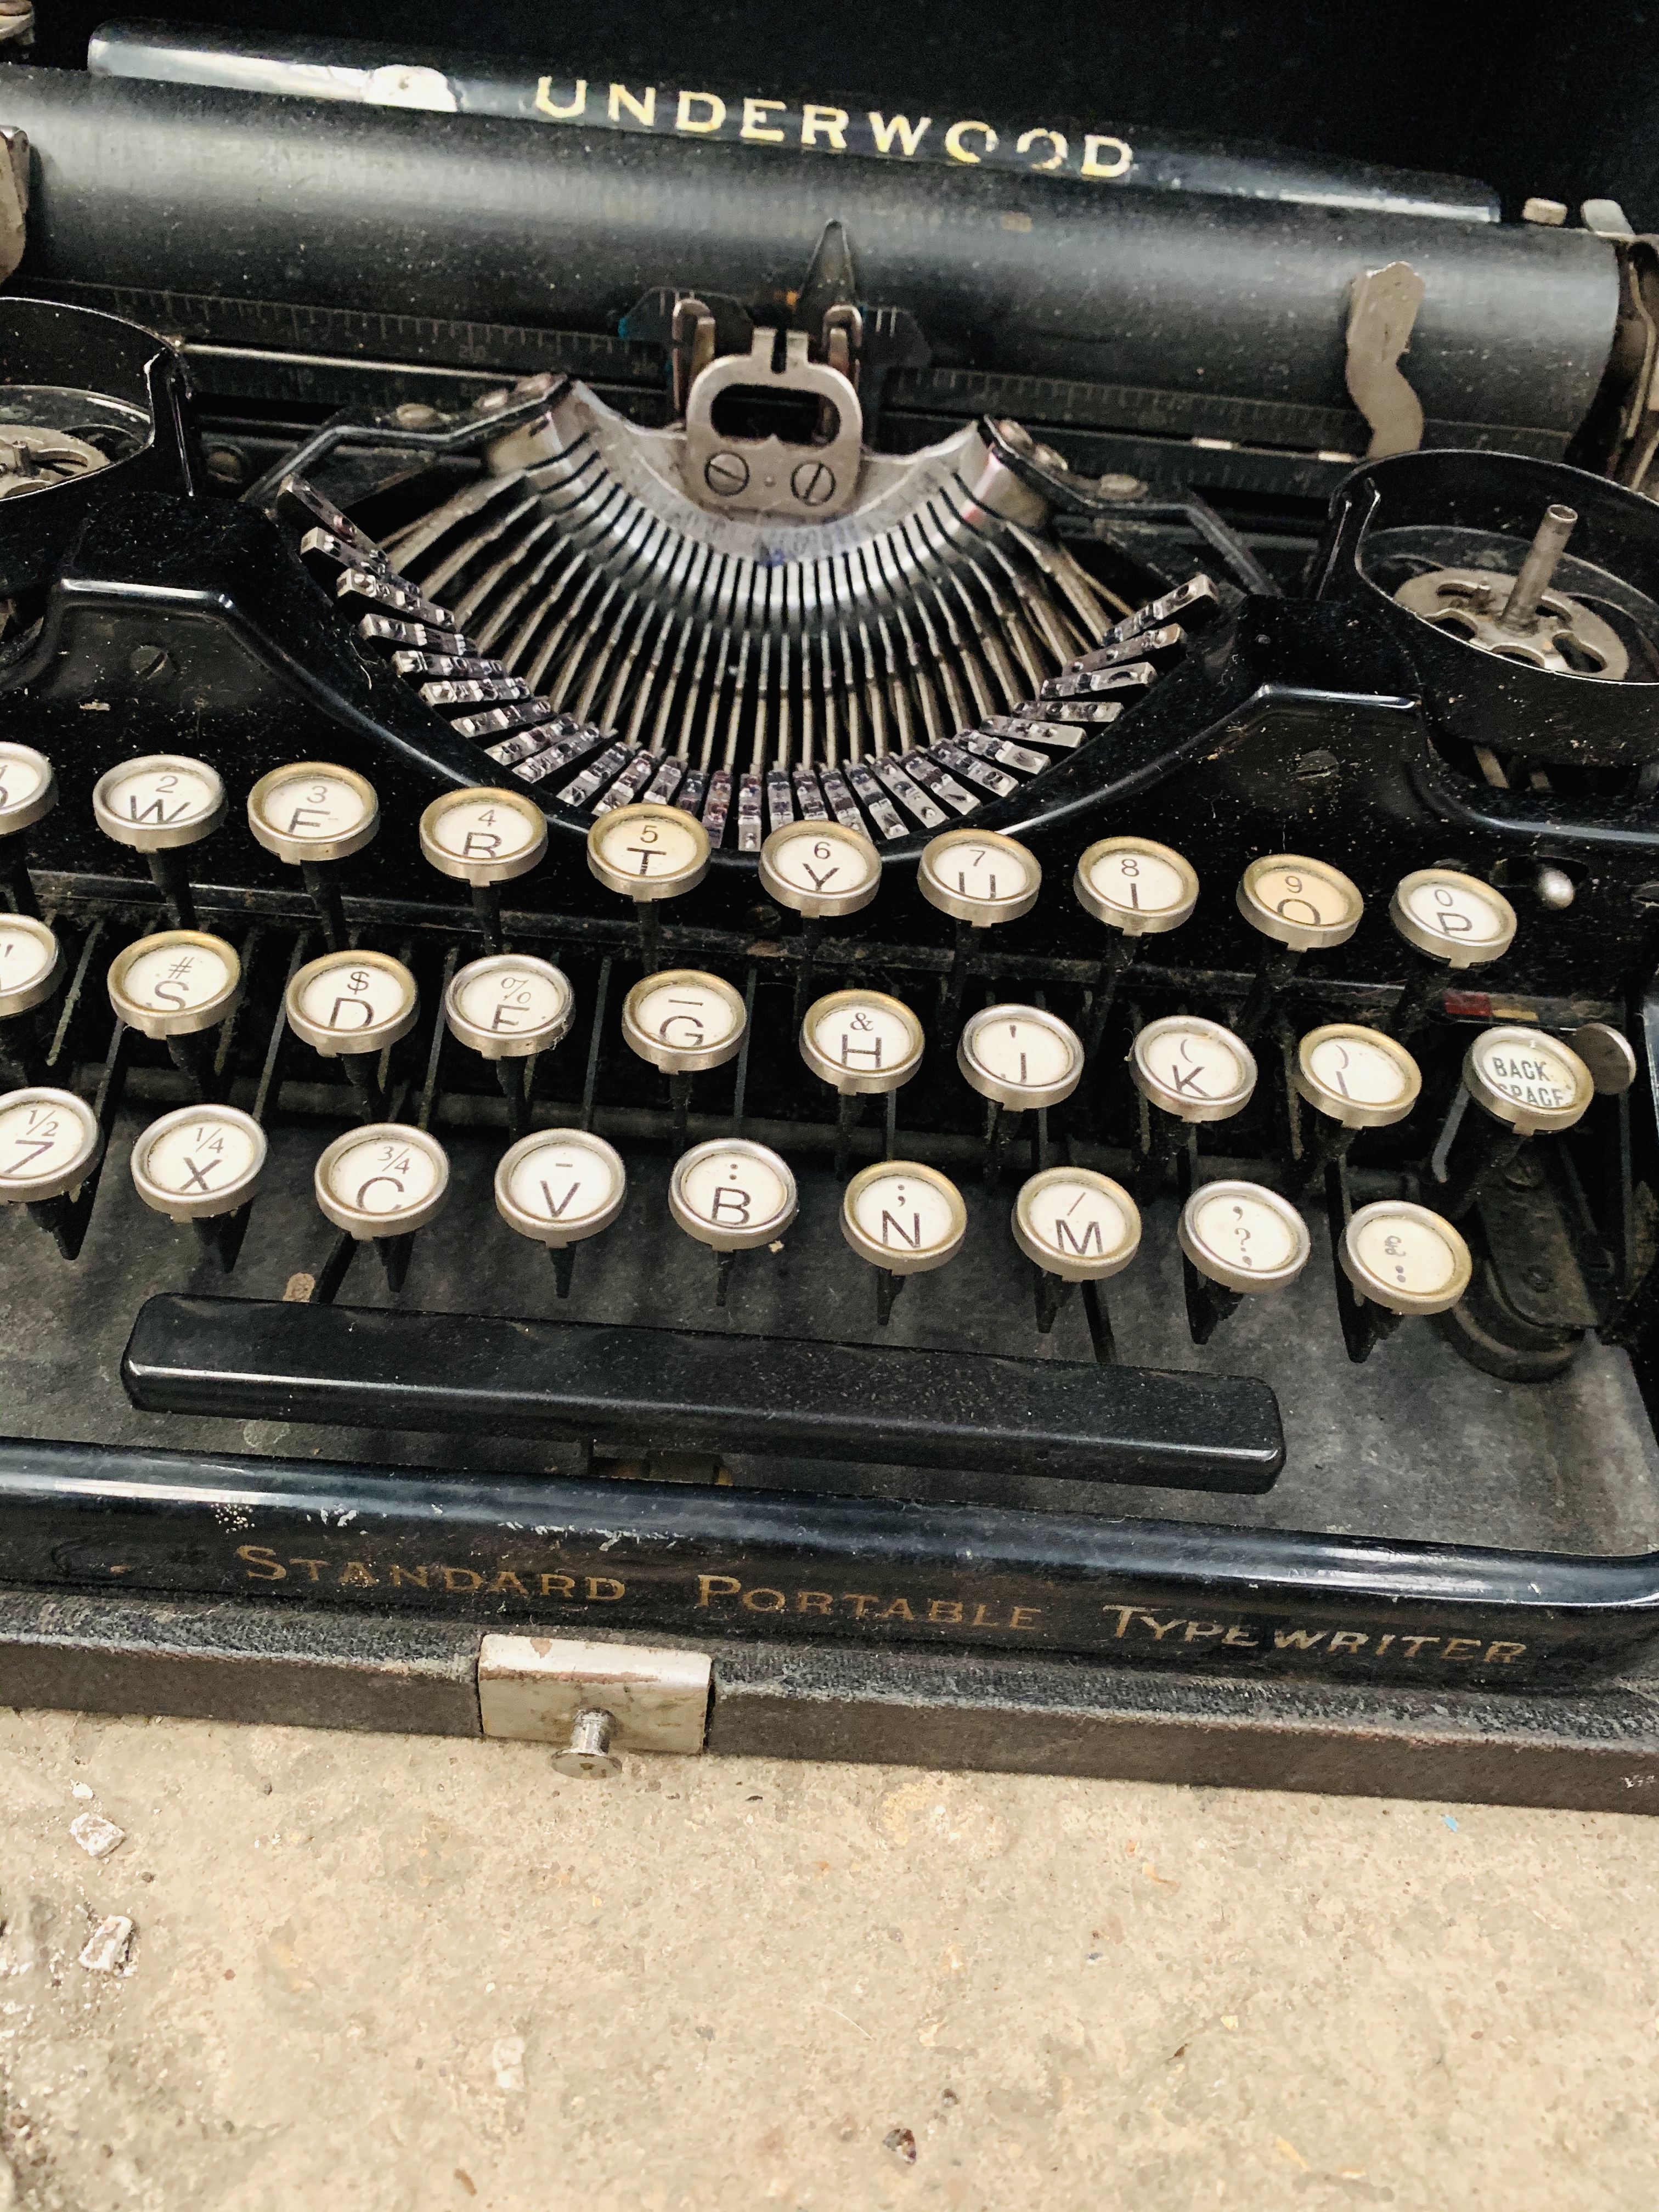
<point x="530" y="1689"/>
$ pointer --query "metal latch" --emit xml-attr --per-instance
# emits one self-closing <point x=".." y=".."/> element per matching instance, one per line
<point x="595" y="1699"/>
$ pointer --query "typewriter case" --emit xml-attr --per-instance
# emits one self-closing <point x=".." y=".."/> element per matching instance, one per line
<point x="254" y="1466"/>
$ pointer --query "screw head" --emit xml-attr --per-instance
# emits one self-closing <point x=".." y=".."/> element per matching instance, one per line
<point x="149" y="663"/>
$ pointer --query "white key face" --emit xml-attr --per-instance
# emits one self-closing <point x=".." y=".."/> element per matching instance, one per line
<point x="351" y="998"/>
<point x="1241" y="1232"/>
<point x="1533" y="1074"/>
<point x="811" y="863"/>
<point x="170" y="798"/>
<point x="197" y="1159"/>
<point x="1021" y="1051"/>
<point x="1136" y="882"/>
<point x="905" y="1214"/>
<point x="1193" y="1064"/>
<point x="483" y="830"/>
<point x="1406" y="1254"/>
<point x="995" y="875"/>
<point x="381" y="1178"/>
<point x="1075" y="1221"/>
<point x="315" y="806"/>
<point x="25" y="957"/>
<point x="22" y="775"/>
<point x="1350" y="1068"/>
<point x="1459" y="913"/>
<point x="650" y="852"/>
<point x="733" y="1191"/>
<point x="562" y="1181"/>
<point x="1303" y="896"/>
<point x="37" y="1139"/>
<point x="687" y="1016"/>
<point x="175" y="979"/>
<point x="512" y="1001"/>
<point x="863" y="1039"/>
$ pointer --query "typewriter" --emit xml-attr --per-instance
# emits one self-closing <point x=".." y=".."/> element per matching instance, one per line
<point x="880" y="925"/>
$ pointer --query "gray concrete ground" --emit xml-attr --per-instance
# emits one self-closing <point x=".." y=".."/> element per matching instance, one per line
<point x="390" y="1973"/>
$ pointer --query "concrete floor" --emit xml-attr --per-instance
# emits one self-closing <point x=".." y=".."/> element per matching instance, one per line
<point x="385" y="1973"/>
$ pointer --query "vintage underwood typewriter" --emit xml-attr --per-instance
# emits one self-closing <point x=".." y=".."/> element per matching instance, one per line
<point x="732" y="916"/>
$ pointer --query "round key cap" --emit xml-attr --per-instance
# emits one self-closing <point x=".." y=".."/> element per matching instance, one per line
<point x="732" y="1194"/>
<point x="31" y="964"/>
<point x="158" y="803"/>
<point x="979" y="877"/>
<point x="1405" y="1258"/>
<point x="1077" y="1224"/>
<point x="508" y="1007"/>
<point x="559" y="1186"/>
<point x="387" y="1180"/>
<point x="1300" y="902"/>
<point x="1356" y="1076"/>
<point x="28" y="788"/>
<point x="1605" y="1050"/>
<point x="483" y="835"/>
<point x="1020" y="1056"/>
<point x="1191" y="1068"/>
<point x="1137" y="886"/>
<point x="683" y="1021"/>
<point x="819" y="869"/>
<point x="862" y="1042"/>
<point x="1452" y="917"/>
<point x="903" y="1217"/>
<point x="198" y="1162"/>
<point x="647" y="851"/>
<point x="1531" y="1081"/>
<point x="49" y="1143"/>
<point x="352" y="1002"/>
<point x="311" y="811"/>
<point x="176" y="984"/>
<point x="1242" y="1237"/>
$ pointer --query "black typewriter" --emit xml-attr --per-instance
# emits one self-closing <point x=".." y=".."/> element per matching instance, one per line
<point x="875" y="893"/>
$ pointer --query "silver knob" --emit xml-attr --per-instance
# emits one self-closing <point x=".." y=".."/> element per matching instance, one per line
<point x="588" y="1757"/>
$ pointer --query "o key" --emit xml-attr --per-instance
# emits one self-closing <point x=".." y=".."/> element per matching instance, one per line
<point x="198" y="1163"/>
<point x="1302" y="906"/>
<point x="385" y="1181"/>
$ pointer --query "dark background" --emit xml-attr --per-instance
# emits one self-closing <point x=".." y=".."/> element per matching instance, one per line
<point x="1561" y="102"/>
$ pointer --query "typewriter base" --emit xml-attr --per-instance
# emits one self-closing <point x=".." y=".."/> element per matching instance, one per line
<point x="271" y="1665"/>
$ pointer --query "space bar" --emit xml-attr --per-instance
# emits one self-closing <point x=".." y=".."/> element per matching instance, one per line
<point x="658" y="1389"/>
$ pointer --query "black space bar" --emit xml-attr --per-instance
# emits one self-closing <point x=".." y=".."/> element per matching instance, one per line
<point x="658" y="1389"/>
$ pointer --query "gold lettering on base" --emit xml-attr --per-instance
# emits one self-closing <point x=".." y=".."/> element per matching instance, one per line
<point x="415" y="1575"/>
<point x="356" y="1575"/>
<point x="813" y="1601"/>
<point x="507" y="1580"/>
<point x="263" y="1564"/>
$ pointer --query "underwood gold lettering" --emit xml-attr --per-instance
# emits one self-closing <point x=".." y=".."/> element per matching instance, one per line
<point x="754" y="113"/>
<point x="1056" y="160"/>
<point x="829" y="123"/>
<point x="944" y="1608"/>
<point x="685" y="120"/>
<point x="813" y="1601"/>
<point x="956" y="147"/>
<point x="558" y="1586"/>
<point x="1120" y="158"/>
<point x="909" y="137"/>
<point x="715" y="1586"/>
<point x="546" y="104"/>
<point x="643" y="110"/>
<point x="415" y="1575"/>
<point x="313" y="1567"/>
<point x="507" y="1580"/>
<point x="604" y="1589"/>
<point x="774" y="1601"/>
<point x="461" y="1578"/>
<point x="263" y="1564"/>
<point x="1347" y="1639"/>
<point x="357" y="1574"/>
<point x="899" y="1610"/>
<point x="1504" y="1654"/>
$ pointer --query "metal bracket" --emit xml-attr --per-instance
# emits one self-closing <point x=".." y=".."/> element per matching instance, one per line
<point x="772" y="476"/>
<point x="595" y="1699"/>
<point x="1383" y="311"/>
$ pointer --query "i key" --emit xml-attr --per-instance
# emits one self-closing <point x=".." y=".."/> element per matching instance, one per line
<point x="1393" y="1259"/>
<point x="684" y="1022"/>
<point x="982" y="879"/>
<point x="380" y="1184"/>
<point x="1354" y="1078"/>
<point x="31" y="969"/>
<point x="178" y="986"/>
<point x="904" y="1219"/>
<point x="1193" y="1072"/>
<point x="50" y="1144"/>
<point x="161" y="805"/>
<point x="1300" y="906"/>
<point x="508" y="1010"/>
<point x="312" y="816"/>
<point x="1017" y="1058"/>
<point x="820" y="870"/>
<point x="203" y="1164"/>
<point x="1075" y="1227"/>
<point x="1237" y="1239"/>
<point x="558" y="1187"/>
<point x="648" y="853"/>
<point x="29" y="792"/>
<point x="352" y="1006"/>
<point x="484" y="838"/>
<point x="1137" y="889"/>
<point x="863" y="1044"/>
<point x="1528" y="1085"/>
<point x="731" y="1195"/>
<point x="1452" y="921"/>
